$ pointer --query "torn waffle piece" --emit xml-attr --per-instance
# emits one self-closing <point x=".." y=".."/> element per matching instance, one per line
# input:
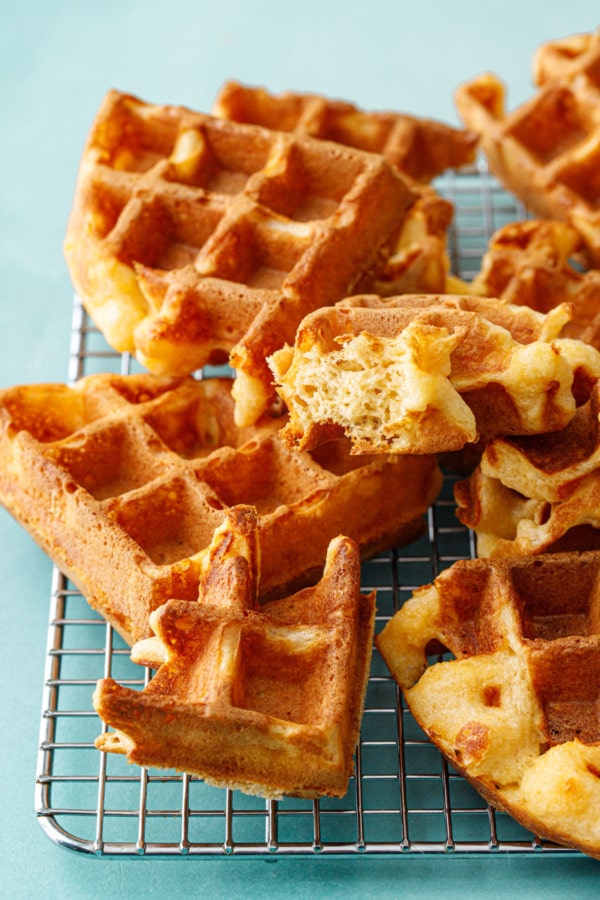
<point x="267" y="699"/>
<point x="537" y="494"/>
<point x="515" y="711"/>
<point x="429" y="374"/>
<point x="195" y="240"/>
<point x="122" y="480"/>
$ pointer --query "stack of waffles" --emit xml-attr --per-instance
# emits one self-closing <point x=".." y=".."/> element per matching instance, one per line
<point x="219" y="524"/>
<point x="498" y="658"/>
<point x="194" y="240"/>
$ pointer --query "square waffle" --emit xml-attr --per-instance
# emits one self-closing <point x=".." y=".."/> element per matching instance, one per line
<point x="266" y="699"/>
<point x="429" y="374"/>
<point x="515" y="710"/>
<point x="530" y="264"/>
<point x="123" y="479"/>
<point x="537" y="494"/>
<point x="547" y="151"/>
<point x="196" y="240"/>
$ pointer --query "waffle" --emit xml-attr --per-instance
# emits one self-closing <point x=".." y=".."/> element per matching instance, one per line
<point x="418" y="147"/>
<point x="565" y="58"/>
<point x="516" y="710"/>
<point x="419" y="261"/>
<point x="529" y="264"/>
<point x="265" y="699"/>
<point x="547" y="151"/>
<point x="195" y="240"/>
<point x="537" y="494"/>
<point x="123" y="479"/>
<point x="429" y="373"/>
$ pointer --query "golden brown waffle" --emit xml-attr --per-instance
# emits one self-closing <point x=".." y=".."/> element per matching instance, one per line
<point x="529" y="264"/>
<point x="565" y="57"/>
<point x="195" y="240"/>
<point x="123" y="479"/>
<point x="265" y="699"/>
<point x="419" y="261"/>
<point x="537" y="494"/>
<point x="421" y="148"/>
<point x="547" y="151"/>
<point x="516" y="710"/>
<point x="429" y="373"/>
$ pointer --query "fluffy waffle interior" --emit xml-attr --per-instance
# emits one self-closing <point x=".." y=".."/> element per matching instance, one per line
<point x="534" y="494"/>
<point x="429" y="373"/>
<point x="515" y="708"/>
<point x="123" y="480"/>
<point x="266" y="699"/>
<point x="547" y="150"/>
<point x="194" y="239"/>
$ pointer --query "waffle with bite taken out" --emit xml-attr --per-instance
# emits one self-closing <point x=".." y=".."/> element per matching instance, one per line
<point x="194" y="239"/>
<point x="429" y="374"/>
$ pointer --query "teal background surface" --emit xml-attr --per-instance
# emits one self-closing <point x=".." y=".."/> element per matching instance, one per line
<point x="57" y="59"/>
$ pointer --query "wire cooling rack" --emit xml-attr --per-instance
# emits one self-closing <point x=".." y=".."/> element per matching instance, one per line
<point x="403" y="797"/>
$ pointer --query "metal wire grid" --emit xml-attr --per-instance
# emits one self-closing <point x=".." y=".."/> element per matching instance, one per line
<point x="403" y="797"/>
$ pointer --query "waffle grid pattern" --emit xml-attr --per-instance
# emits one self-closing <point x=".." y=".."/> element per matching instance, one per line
<point x="193" y="239"/>
<point x="404" y="799"/>
<point x="547" y="149"/>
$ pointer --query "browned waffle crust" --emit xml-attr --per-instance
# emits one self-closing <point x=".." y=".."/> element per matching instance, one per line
<point x="547" y="150"/>
<point x="565" y="57"/>
<point x="194" y="239"/>
<point x="421" y="148"/>
<point x="531" y="495"/>
<point x="266" y="699"/>
<point x="123" y="479"/>
<point x="516" y="710"/>
<point x="531" y="263"/>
